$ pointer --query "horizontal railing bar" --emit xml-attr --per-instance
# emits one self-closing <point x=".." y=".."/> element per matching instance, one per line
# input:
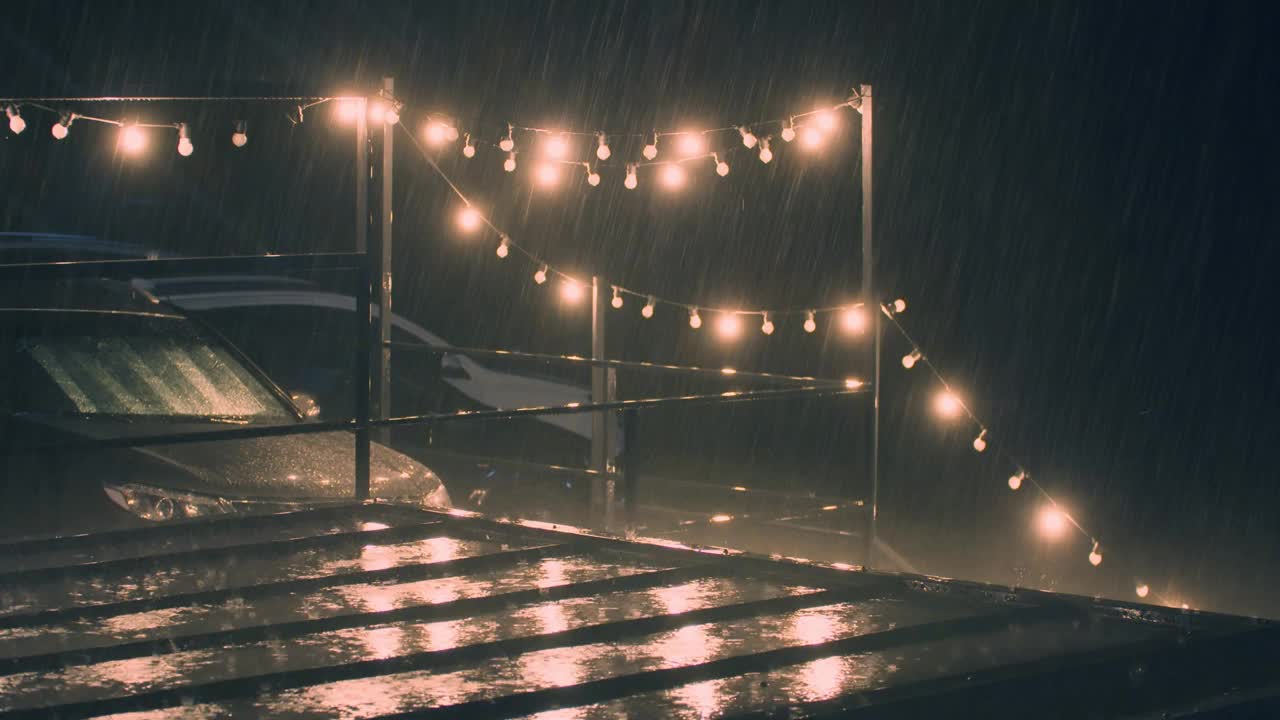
<point x="397" y="574"/>
<point x="526" y="703"/>
<point x="437" y="659"/>
<point x="242" y="433"/>
<point x="224" y="263"/>
<point x="730" y="373"/>
<point x="356" y="538"/>
<point x="463" y="608"/>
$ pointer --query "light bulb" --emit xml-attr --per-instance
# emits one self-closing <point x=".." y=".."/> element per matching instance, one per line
<point x="571" y="291"/>
<point x="602" y="149"/>
<point x="810" y="323"/>
<point x="541" y="275"/>
<point x="507" y="144"/>
<point x="593" y="177"/>
<point x="899" y="305"/>
<point x="748" y="138"/>
<point x="510" y="163"/>
<point x="695" y="320"/>
<point x="503" y="250"/>
<point x="556" y="146"/>
<point x="673" y="177"/>
<point x="1052" y="523"/>
<point x="651" y="150"/>
<point x="854" y="319"/>
<point x="548" y="174"/>
<point x="468" y="150"/>
<point x="16" y="123"/>
<point x="729" y="326"/>
<point x="811" y="138"/>
<point x="1095" y="555"/>
<point x="377" y="112"/>
<point x="346" y="111"/>
<point x="132" y="139"/>
<point x="766" y="327"/>
<point x="437" y="133"/>
<point x="765" y="153"/>
<point x="185" y="148"/>
<point x="788" y="132"/>
<point x="240" y="137"/>
<point x="646" y="312"/>
<point x="616" y="302"/>
<point x="910" y="359"/>
<point x="853" y="383"/>
<point x="62" y="127"/>
<point x="947" y="404"/>
<point x="692" y="143"/>
<point x="469" y="219"/>
<point x="722" y="167"/>
<point x="392" y="115"/>
<point x="1015" y="481"/>
<point x="827" y="120"/>
<point x="451" y="133"/>
<point x="631" y="180"/>
<point x="980" y="442"/>
<point x="1142" y="590"/>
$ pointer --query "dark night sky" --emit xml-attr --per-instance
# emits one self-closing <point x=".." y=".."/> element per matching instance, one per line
<point x="1077" y="199"/>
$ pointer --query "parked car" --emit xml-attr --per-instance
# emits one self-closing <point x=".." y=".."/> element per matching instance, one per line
<point x="98" y="359"/>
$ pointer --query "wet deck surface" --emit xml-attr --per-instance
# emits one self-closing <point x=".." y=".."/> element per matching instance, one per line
<point x="371" y="611"/>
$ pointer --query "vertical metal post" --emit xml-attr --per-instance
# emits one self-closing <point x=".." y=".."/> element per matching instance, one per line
<point x="382" y="281"/>
<point x="360" y="384"/>
<point x="603" y="389"/>
<point x="631" y="464"/>
<point x="872" y="305"/>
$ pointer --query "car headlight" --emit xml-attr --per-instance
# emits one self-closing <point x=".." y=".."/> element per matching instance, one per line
<point x="159" y="504"/>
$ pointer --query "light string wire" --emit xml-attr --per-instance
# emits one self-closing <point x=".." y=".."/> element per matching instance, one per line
<point x="1022" y="474"/>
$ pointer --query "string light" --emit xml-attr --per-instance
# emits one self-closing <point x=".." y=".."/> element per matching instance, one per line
<point x="508" y="143"/>
<point x="722" y="167"/>
<point x="62" y="127"/>
<point x="692" y="143"/>
<point x="854" y="319"/>
<point x="451" y="133"/>
<point x="240" y="137"/>
<point x="616" y="302"/>
<point x="910" y="359"/>
<point x="766" y="326"/>
<point x="377" y="112"/>
<point x="571" y="290"/>
<point x="468" y="150"/>
<point x="1052" y="522"/>
<point x="16" y="123"/>
<point x="593" y="177"/>
<point x="556" y="147"/>
<point x="811" y="138"/>
<point x="673" y="177"/>
<point x="1142" y="590"/>
<point x="470" y="219"/>
<point x="1015" y="481"/>
<point x="541" y="275"/>
<point x="503" y="248"/>
<point x="651" y="150"/>
<point x="346" y="111"/>
<point x="789" y="131"/>
<point x="632" y="181"/>
<point x="729" y="326"/>
<point x="748" y="138"/>
<point x="185" y="148"/>
<point x="810" y="323"/>
<point x="602" y="147"/>
<point x="437" y="133"/>
<point x="899" y="305"/>
<point x="132" y="139"/>
<point x="647" y="311"/>
<point x="392" y="114"/>
<point x="827" y="120"/>
<point x="947" y="404"/>
<point x="766" y="155"/>
<point x="980" y="442"/>
<point x="510" y="164"/>
<point x="1095" y="555"/>
<point x="548" y="174"/>
<point x="695" y="320"/>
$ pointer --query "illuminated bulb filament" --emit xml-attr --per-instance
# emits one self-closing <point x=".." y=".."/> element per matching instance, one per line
<point x="1052" y="522"/>
<point x="811" y="138"/>
<point x="132" y="139"/>
<point x="632" y="181"/>
<point x="899" y="305"/>
<point x="557" y="146"/>
<point x="185" y="148"/>
<point x="947" y="404"/>
<point x="854" y="320"/>
<point x="616" y="302"/>
<point x="810" y="323"/>
<point x="980" y="442"/>
<point x="1095" y="555"/>
<point x="729" y="326"/>
<point x="910" y="359"/>
<point x="602" y="149"/>
<point x="766" y="155"/>
<point x="541" y="275"/>
<point x="571" y="291"/>
<point x="766" y="326"/>
<point x="651" y="150"/>
<point x="240" y="137"/>
<point x="508" y="143"/>
<point x="788" y="132"/>
<point x="1142" y="590"/>
<point x="692" y="144"/>
<point x="469" y="219"/>
<point x="503" y="250"/>
<point x="695" y="321"/>
<point x="468" y="150"/>
<point x="510" y="164"/>
<point x="722" y="167"/>
<point x="748" y="138"/>
<point x="1015" y="481"/>
<point x="16" y="123"/>
<point x="646" y="312"/>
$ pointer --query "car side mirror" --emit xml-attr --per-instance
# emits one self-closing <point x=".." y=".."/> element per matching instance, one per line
<point x="306" y="404"/>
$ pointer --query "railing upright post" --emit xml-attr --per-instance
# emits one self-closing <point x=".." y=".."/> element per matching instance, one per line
<point x="360" y="385"/>
<point x="631" y="464"/>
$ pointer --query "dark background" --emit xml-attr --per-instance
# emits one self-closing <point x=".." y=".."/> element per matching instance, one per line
<point x="1077" y="200"/>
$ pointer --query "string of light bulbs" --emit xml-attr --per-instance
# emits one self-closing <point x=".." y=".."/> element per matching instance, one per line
<point x="948" y="403"/>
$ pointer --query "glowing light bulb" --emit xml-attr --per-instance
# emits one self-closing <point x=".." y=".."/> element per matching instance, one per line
<point x="1052" y="522"/>
<point x="508" y="143"/>
<point x="541" y="275"/>
<point x="616" y="302"/>
<point x="854" y="319"/>
<point x="392" y="115"/>
<point x="947" y="404"/>
<point x="827" y="120"/>
<point x="548" y="174"/>
<point x="695" y="320"/>
<point x="468" y="150"/>
<point x="673" y="177"/>
<point x="602" y="148"/>
<point x="185" y="148"/>
<point x="132" y="139"/>
<point x="910" y="359"/>
<point x="646" y="312"/>
<point x="556" y="146"/>
<point x="1015" y="481"/>
<point x="853" y="383"/>
<point x="899" y="305"/>
<point x="766" y="326"/>
<point x="748" y="138"/>
<point x="469" y="219"/>
<point x="722" y="167"/>
<point x="377" y="112"/>
<point x="651" y="150"/>
<point x="729" y="326"/>
<point x="62" y="127"/>
<point x="451" y="133"/>
<point x="593" y="177"/>
<point x="503" y="250"/>
<point x="632" y="181"/>
<point x="980" y="442"/>
<point x="810" y="323"/>
<point x="811" y="138"/>
<point x="16" y="123"/>
<point x="766" y="155"/>
<point x="510" y="163"/>
<point x="1142" y="590"/>
<point x="571" y="291"/>
<point x="240" y="137"/>
<point x="788" y="131"/>
<point x="346" y="111"/>
<point x="692" y="143"/>
<point x="1095" y="555"/>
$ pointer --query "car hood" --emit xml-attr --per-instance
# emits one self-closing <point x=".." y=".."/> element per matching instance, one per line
<point x="292" y="467"/>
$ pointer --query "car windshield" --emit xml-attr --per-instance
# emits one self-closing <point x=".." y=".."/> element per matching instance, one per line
<point x="126" y="365"/>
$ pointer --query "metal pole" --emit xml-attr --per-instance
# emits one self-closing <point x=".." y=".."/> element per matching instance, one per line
<point x="872" y="303"/>
<point x="602" y="390"/>
<point x="382" y="283"/>
<point x="360" y="385"/>
<point x="631" y="464"/>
